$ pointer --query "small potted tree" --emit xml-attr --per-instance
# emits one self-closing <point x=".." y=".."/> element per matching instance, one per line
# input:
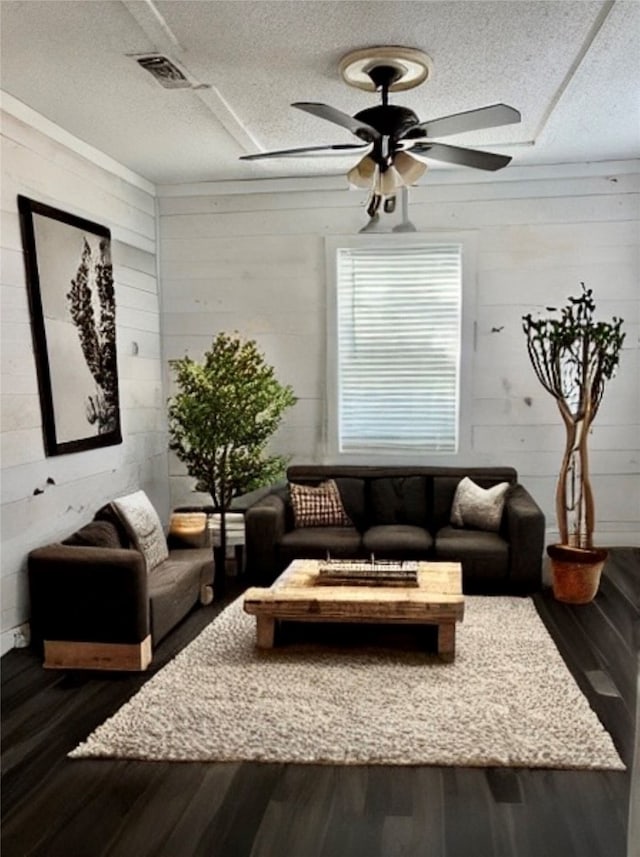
<point x="573" y="357"/>
<point x="225" y="411"/>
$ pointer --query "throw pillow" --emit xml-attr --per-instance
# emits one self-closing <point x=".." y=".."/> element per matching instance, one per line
<point x="478" y="507"/>
<point x="318" y="505"/>
<point x="143" y="524"/>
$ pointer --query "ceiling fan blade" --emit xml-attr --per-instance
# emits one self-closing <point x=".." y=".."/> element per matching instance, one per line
<point x="310" y="151"/>
<point x="471" y="120"/>
<point x="463" y="157"/>
<point x="331" y="114"/>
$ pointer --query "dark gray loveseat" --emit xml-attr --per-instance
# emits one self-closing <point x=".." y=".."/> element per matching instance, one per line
<point x="403" y="513"/>
<point x="94" y="604"/>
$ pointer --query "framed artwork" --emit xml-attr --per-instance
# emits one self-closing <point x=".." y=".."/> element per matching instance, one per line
<point x="73" y="322"/>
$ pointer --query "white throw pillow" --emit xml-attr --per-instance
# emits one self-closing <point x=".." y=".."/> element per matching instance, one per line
<point x="143" y="525"/>
<point x="478" y="507"/>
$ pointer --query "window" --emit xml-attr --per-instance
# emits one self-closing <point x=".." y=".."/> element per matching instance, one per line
<point x="395" y="361"/>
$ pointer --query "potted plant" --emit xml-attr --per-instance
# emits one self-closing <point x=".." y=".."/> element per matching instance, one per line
<point x="225" y="411"/>
<point x="573" y="357"/>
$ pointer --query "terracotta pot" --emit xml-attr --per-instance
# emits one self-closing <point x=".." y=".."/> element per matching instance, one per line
<point x="576" y="572"/>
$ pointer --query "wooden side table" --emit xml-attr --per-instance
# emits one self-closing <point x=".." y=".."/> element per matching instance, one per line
<point x="235" y="530"/>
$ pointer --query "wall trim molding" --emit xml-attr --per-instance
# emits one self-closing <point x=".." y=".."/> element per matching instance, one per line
<point x="305" y="184"/>
<point x="15" y="638"/>
<point x="299" y="184"/>
<point x="19" y="110"/>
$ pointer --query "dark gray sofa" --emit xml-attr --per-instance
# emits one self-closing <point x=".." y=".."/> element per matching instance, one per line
<point x="403" y="513"/>
<point x="94" y="605"/>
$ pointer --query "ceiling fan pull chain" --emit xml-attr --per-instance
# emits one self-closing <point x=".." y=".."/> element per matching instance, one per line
<point x="374" y="204"/>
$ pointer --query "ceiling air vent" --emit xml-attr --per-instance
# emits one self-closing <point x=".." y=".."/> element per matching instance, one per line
<point x="165" y="72"/>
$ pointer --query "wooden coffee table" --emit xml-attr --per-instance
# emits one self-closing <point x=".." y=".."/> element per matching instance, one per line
<point x="296" y="596"/>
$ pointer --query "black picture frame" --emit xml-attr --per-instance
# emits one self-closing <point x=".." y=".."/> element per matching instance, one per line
<point x="73" y="323"/>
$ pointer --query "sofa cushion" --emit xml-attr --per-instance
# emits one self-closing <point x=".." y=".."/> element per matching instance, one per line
<point x="484" y="557"/>
<point x="96" y="534"/>
<point x="397" y="541"/>
<point x="175" y="585"/>
<point x="478" y="507"/>
<point x="143" y="524"/>
<point x="400" y="500"/>
<point x="318" y="505"/>
<point x="317" y="542"/>
<point x="352" y="492"/>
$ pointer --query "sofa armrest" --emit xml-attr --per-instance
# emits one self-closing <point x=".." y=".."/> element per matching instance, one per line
<point x="265" y="524"/>
<point x="88" y="594"/>
<point x="525" y="530"/>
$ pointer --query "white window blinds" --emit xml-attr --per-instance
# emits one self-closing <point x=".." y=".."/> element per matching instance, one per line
<point x="399" y="313"/>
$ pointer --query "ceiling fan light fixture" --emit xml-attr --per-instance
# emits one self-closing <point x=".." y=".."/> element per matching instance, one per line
<point x="394" y="137"/>
<point x="389" y="181"/>
<point x="410" y="168"/>
<point x="363" y="173"/>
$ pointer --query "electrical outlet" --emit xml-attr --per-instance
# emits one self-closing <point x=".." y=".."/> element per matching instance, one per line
<point x="20" y="639"/>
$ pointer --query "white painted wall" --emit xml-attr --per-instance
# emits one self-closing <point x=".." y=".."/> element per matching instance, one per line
<point x="44" y="163"/>
<point x="249" y="257"/>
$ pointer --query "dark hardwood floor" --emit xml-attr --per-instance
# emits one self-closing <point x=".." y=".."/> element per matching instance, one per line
<point x="56" y="807"/>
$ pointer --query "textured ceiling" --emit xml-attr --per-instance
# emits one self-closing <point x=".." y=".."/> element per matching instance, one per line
<point x="571" y="68"/>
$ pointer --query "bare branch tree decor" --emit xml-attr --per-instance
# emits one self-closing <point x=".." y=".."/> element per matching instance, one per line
<point x="573" y="357"/>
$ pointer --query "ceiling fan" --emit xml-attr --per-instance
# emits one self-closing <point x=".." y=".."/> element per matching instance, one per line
<point x="392" y="136"/>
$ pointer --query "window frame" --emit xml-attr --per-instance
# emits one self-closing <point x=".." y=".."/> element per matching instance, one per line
<point x="468" y="244"/>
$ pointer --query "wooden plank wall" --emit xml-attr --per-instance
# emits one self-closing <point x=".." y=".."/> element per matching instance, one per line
<point x="39" y="167"/>
<point x="254" y="262"/>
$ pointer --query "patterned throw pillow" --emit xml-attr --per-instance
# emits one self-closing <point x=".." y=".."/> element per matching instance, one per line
<point x="318" y="506"/>
<point x="478" y="507"/>
<point x="141" y="520"/>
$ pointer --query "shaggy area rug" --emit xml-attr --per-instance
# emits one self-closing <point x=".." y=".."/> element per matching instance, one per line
<point x="508" y="699"/>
